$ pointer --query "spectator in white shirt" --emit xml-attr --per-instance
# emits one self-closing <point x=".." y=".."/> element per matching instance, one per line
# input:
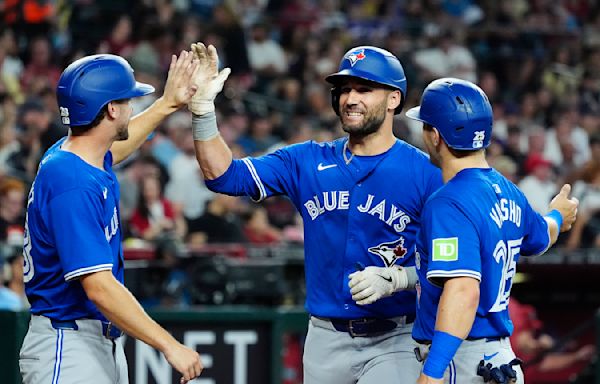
<point x="538" y="186"/>
<point x="267" y="57"/>
<point x="447" y="59"/>
<point x="566" y="131"/>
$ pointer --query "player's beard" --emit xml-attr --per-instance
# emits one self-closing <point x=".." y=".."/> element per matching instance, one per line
<point x="434" y="158"/>
<point x="122" y="132"/>
<point x="372" y="121"/>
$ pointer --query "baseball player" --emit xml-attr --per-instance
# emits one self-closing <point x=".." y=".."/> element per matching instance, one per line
<point x="472" y="233"/>
<point x="73" y="268"/>
<point x="360" y="198"/>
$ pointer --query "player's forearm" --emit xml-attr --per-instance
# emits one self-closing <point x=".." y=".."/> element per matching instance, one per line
<point x="140" y="127"/>
<point x="120" y="307"/>
<point x="214" y="157"/>
<point x="458" y="306"/>
<point x="454" y="320"/>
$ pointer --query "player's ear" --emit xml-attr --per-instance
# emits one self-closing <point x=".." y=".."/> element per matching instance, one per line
<point x="394" y="99"/>
<point x="437" y="138"/>
<point x="112" y="110"/>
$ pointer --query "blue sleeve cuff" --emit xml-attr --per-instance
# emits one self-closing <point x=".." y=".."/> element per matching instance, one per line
<point x="234" y="181"/>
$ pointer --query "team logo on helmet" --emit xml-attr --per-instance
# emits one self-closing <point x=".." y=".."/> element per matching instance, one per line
<point x="390" y="251"/>
<point x="356" y="56"/>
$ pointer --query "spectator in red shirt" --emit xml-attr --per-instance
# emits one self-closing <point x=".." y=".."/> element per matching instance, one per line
<point x="40" y="72"/>
<point x="12" y="205"/>
<point x="529" y="343"/>
<point x="119" y="40"/>
<point x="155" y="218"/>
<point x="258" y="230"/>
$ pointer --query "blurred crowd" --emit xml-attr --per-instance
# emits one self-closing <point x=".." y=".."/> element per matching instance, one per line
<point x="538" y="61"/>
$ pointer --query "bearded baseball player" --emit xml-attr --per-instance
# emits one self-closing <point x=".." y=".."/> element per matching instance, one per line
<point x="472" y="233"/>
<point x="360" y="197"/>
<point x="73" y="268"/>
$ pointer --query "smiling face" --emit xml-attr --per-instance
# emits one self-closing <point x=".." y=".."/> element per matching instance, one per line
<point x="364" y="106"/>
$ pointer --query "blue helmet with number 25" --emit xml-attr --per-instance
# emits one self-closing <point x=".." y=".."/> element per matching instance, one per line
<point x="372" y="64"/>
<point x="459" y="110"/>
<point x="88" y="84"/>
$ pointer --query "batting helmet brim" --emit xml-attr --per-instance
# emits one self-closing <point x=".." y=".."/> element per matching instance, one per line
<point x="345" y="74"/>
<point x="140" y="89"/>
<point x="414" y="113"/>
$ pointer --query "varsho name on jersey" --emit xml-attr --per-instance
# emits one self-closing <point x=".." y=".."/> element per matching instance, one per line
<point x="506" y="210"/>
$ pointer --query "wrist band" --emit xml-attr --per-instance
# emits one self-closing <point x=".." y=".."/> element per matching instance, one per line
<point x="204" y="127"/>
<point x="411" y="274"/>
<point x="443" y="349"/>
<point x="556" y="216"/>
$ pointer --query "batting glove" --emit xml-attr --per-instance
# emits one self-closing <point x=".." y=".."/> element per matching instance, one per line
<point x="373" y="283"/>
<point x="207" y="78"/>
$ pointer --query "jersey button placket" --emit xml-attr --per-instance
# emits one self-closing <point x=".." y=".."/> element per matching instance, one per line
<point x="353" y="246"/>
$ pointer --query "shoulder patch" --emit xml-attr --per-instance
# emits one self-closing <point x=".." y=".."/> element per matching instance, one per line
<point x="445" y="249"/>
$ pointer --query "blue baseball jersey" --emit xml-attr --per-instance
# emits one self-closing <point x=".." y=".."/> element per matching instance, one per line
<point x="477" y="225"/>
<point x="366" y="212"/>
<point x="72" y="228"/>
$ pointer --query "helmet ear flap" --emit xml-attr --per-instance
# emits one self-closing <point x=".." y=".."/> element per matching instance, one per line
<point x="335" y="99"/>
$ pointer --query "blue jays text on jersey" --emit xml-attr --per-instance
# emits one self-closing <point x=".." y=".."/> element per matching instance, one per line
<point x="366" y="211"/>
<point x="72" y="229"/>
<point x="477" y="225"/>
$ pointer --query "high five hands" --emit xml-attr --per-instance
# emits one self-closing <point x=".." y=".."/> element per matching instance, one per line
<point x="207" y="79"/>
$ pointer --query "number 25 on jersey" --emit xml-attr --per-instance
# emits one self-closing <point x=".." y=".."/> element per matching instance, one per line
<point x="506" y="253"/>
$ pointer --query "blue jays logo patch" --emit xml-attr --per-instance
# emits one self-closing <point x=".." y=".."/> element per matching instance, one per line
<point x="390" y="251"/>
<point x="356" y="56"/>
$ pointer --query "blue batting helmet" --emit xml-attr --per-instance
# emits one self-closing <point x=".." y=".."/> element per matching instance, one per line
<point x="459" y="110"/>
<point x="88" y="84"/>
<point x="369" y="63"/>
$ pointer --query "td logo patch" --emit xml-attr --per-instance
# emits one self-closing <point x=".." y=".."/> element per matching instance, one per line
<point x="445" y="249"/>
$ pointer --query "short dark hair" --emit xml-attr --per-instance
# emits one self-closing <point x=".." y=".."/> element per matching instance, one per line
<point x="462" y="152"/>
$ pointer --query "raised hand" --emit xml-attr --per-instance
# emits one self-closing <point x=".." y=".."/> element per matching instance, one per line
<point x="179" y="87"/>
<point x="566" y="206"/>
<point x="208" y="80"/>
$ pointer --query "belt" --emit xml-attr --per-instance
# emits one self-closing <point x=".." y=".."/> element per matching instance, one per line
<point x="109" y="330"/>
<point x="487" y="339"/>
<point x="366" y="326"/>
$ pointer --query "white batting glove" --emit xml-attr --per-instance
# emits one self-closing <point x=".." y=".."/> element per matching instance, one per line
<point x="207" y="78"/>
<point x="373" y="283"/>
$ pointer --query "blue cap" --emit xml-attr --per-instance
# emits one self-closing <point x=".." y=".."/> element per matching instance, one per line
<point x="88" y="84"/>
<point x="459" y="110"/>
